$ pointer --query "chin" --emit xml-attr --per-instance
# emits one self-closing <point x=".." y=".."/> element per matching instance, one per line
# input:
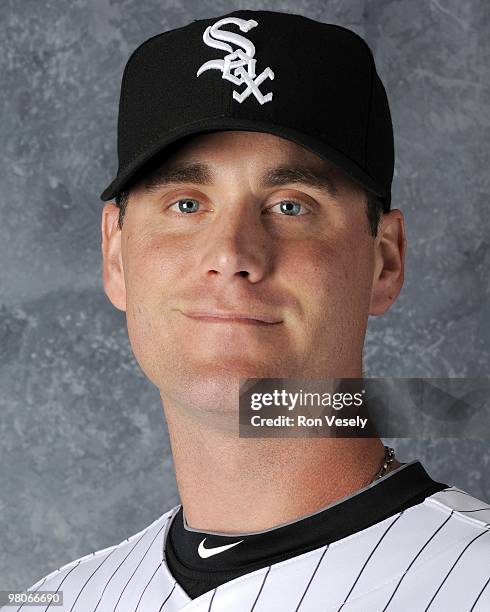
<point x="211" y="389"/>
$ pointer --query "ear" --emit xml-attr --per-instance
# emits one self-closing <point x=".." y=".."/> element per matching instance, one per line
<point x="389" y="262"/>
<point x="112" y="265"/>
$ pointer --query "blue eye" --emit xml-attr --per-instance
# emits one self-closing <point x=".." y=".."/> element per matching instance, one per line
<point x="187" y="205"/>
<point x="290" y="208"/>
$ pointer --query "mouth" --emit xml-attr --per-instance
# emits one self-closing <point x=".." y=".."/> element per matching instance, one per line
<point x="231" y="317"/>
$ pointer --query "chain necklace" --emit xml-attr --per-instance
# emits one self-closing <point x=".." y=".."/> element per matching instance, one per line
<point x="388" y="459"/>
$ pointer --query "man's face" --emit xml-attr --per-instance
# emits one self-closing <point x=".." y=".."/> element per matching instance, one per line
<point x="253" y="225"/>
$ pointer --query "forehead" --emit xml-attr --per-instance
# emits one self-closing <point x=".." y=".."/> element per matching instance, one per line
<point x="244" y="144"/>
<point x="236" y="152"/>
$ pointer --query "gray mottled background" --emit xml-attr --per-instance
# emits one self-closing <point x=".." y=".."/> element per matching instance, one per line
<point x="84" y="454"/>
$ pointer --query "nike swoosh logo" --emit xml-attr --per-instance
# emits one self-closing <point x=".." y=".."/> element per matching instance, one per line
<point x="204" y="553"/>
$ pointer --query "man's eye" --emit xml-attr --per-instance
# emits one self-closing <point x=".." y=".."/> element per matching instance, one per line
<point x="291" y="208"/>
<point x="186" y="205"/>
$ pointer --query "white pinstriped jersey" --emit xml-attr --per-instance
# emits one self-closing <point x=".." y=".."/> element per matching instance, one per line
<point x="434" y="556"/>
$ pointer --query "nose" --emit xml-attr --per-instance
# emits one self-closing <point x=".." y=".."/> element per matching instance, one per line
<point x="236" y="245"/>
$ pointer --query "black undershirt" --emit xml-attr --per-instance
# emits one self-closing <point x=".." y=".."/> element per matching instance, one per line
<point x="406" y="486"/>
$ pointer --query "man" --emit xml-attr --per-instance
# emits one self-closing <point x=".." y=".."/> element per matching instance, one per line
<point x="252" y="237"/>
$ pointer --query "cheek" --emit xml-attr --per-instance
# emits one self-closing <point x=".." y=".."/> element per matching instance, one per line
<point x="333" y="277"/>
<point x="150" y="267"/>
<point x="151" y="271"/>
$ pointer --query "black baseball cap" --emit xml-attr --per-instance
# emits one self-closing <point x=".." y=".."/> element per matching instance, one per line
<point x="309" y="82"/>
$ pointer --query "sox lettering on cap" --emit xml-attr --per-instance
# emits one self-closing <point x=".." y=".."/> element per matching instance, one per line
<point x="312" y="83"/>
<point x="232" y="65"/>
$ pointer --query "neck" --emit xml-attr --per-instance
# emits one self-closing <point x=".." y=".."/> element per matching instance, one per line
<point x="232" y="485"/>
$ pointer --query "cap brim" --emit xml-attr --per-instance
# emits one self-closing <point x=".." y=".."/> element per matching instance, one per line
<point x="318" y="147"/>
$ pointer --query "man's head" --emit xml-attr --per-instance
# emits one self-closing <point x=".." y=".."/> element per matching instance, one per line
<point x="252" y="224"/>
<point x="250" y="146"/>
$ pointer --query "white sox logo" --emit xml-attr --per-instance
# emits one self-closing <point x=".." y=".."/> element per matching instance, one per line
<point x="239" y="65"/>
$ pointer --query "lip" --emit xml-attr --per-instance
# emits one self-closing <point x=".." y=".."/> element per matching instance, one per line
<point x="215" y="316"/>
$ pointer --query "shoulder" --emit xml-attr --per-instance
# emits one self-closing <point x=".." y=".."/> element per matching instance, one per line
<point x="103" y="574"/>
<point x="462" y="505"/>
<point x="461" y="523"/>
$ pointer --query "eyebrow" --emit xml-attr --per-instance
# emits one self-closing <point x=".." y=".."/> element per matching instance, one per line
<point x="202" y="174"/>
<point x="285" y="175"/>
<point x="196" y="172"/>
